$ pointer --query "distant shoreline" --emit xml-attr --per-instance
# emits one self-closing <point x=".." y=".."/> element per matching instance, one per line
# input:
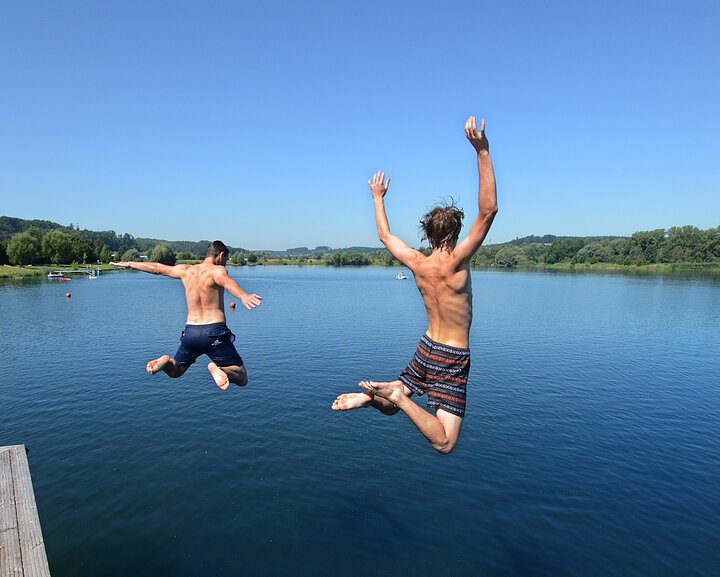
<point x="32" y="271"/>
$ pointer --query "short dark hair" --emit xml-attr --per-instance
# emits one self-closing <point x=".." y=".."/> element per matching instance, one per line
<point x="441" y="226"/>
<point x="215" y="248"/>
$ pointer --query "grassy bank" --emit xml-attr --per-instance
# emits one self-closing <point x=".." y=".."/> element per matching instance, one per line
<point x="8" y="271"/>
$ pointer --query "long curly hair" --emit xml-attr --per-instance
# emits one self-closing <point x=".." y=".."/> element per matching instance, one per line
<point x="441" y="226"/>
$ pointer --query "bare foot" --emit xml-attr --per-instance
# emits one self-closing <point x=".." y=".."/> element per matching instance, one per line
<point x="392" y="391"/>
<point x="219" y="376"/>
<point x="351" y="401"/>
<point x="157" y="365"/>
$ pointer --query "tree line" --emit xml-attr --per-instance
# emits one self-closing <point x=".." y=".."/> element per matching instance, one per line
<point x="684" y="244"/>
<point x="32" y="246"/>
<point x="24" y="242"/>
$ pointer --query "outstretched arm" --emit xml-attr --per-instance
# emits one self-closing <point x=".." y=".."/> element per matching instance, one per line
<point x="400" y="250"/>
<point x="487" y="193"/>
<point x="154" y="268"/>
<point x="249" y="301"/>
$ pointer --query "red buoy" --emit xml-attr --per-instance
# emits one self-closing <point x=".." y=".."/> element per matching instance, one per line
<point x="232" y="304"/>
<point x="68" y="295"/>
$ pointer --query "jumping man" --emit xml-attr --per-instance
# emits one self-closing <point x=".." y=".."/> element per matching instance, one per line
<point x="441" y="364"/>
<point x="205" y="332"/>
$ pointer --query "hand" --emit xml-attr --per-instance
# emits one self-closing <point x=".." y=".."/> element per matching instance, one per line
<point x="378" y="184"/>
<point x="477" y="139"/>
<point x="120" y="264"/>
<point x="250" y="301"/>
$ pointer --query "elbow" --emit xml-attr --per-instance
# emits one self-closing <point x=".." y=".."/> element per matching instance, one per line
<point x="444" y="447"/>
<point x="488" y="213"/>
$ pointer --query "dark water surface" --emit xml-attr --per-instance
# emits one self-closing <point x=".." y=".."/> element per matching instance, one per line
<point x="591" y="446"/>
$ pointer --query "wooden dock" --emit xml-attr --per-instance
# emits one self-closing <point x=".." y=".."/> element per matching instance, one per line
<point x="22" y="549"/>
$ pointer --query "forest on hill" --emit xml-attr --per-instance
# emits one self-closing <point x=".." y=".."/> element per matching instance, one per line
<point x="24" y="242"/>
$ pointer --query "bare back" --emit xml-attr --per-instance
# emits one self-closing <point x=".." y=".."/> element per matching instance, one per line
<point x="205" y="297"/>
<point x="443" y="280"/>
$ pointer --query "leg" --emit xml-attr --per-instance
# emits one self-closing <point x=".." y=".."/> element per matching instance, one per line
<point x="167" y="365"/>
<point x="442" y="430"/>
<point x="223" y="376"/>
<point x="367" y="399"/>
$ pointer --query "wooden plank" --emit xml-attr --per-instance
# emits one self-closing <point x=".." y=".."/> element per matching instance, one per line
<point x="32" y="546"/>
<point x="10" y="558"/>
<point x="27" y="558"/>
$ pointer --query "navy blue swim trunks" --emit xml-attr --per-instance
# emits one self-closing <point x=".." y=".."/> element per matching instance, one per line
<point x="440" y="371"/>
<point x="214" y="340"/>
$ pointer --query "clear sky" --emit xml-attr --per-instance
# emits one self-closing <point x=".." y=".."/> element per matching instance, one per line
<point x="259" y="123"/>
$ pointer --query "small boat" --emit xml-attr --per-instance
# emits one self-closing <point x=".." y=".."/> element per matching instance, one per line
<point x="401" y="275"/>
<point x="56" y="274"/>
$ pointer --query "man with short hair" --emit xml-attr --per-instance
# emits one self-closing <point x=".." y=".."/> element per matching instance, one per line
<point x="205" y="332"/>
<point x="441" y="364"/>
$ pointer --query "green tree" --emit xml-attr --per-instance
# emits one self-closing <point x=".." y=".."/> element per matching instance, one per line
<point x="83" y="249"/>
<point x="712" y="244"/>
<point x="684" y="243"/>
<point x="535" y="252"/>
<point x="105" y="255"/>
<point x="164" y="254"/>
<point x="3" y="253"/>
<point x="485" y="256"/>
<point x="237" y="258"/>
<point x="57" y="247"/>
<point x="650" y="244"/>
<point x="24" y="248"/>
<point x="563" y="250"/>
<point x="185" y="255"/>
<point x="509" y="256"/>
<point x="131" y="254"/>
<point x="347" y="259"/>
<point x="252" y="258"/>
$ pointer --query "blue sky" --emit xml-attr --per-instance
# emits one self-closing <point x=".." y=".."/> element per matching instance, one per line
<point x="260" y="123"/>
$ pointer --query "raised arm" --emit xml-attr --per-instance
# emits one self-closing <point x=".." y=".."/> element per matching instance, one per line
<point x="154" y="268"/>
<point x="401" y="251"/>
<point x="487" y="193"/>
<point x="249" y="301"/>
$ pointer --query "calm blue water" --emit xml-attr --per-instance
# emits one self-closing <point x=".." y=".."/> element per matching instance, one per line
<point x="591" y="445"/>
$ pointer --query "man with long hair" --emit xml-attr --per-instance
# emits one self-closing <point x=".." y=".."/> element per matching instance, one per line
<point x="441" y="365"/>
<point x="205" y="332"/>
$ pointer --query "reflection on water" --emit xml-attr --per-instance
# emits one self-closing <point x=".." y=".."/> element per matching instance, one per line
<point x="590" y="446"/>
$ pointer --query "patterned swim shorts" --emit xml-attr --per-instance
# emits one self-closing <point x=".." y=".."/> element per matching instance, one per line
<point x="441" y="372"/>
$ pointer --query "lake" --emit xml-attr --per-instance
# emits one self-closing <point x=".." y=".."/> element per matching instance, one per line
<point x="591" y="445"/>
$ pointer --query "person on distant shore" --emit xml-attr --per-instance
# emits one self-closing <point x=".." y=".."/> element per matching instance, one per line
<point x="441" y="364"/>
<point x="205" y="332"/>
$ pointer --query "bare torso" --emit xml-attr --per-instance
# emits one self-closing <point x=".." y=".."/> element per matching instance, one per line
<point x="205" y="298"/>
<point x="446" y="289"/>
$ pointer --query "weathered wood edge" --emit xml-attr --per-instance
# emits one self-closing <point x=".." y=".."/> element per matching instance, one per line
<point x="32" y="545"/>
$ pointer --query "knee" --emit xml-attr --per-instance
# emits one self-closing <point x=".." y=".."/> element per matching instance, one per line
<point x="240" y="378"/>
